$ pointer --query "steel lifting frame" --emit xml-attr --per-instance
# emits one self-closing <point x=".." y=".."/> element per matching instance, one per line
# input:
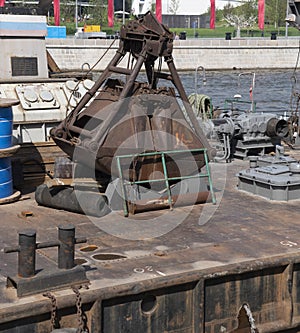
<point x="166" y="179"/>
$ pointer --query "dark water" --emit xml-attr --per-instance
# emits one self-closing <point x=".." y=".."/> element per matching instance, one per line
<point x="272" y="91"/>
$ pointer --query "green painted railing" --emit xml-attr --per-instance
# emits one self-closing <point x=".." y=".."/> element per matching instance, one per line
<point x="166" y="178"/>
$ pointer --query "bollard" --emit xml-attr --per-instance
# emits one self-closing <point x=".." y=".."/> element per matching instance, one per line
<point x="228" y="35"/>
<point x="182" y="35"/>
<point x="28" y="281"/>
<point x="66" y="248"/>
<point x="253" y="161"/>
<point x="26" y="253"/>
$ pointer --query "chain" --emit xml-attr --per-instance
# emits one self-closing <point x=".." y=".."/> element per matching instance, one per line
<point x="80" y="315"/>
<point x="53" y="309"/>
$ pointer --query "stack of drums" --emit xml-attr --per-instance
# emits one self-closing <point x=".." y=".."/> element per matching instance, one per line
<point x="7" y="150"/>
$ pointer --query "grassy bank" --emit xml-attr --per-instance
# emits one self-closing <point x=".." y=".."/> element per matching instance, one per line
<point x="219" y="32"/>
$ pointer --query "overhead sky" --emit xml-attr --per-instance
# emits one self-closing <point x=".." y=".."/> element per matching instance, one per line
<point x="193" y="6"/>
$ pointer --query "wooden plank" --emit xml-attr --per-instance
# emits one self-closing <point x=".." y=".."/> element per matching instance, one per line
<point x="52" y="65"/>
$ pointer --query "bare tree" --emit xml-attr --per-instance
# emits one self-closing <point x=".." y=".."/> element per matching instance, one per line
<point x="244" y="16"/>
<point x="174" y="6"/>
<point x="240" y="21"/>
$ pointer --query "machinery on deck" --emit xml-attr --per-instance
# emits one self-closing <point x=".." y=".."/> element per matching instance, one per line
<point x="293" y="18"/>
<point x="245" y="134"/>
<point x="141" y="133"/>
<point x="238" y="130"/>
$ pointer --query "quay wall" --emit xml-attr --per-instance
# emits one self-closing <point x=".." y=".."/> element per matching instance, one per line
<point x="213" y="54"/>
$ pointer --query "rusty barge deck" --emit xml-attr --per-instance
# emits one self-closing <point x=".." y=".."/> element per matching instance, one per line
<point x="232" y="267"/>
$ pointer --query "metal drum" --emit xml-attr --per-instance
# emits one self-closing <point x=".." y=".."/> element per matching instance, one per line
<point x="6" y="127"/>
<point x="6" y="184"/>
<point x="6" y="130"/>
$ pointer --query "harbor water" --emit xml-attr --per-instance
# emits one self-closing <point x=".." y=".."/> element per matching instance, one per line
<point x="273" y="90"/>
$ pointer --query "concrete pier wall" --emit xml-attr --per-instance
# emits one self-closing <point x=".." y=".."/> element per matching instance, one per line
<point x="213" y="54"/>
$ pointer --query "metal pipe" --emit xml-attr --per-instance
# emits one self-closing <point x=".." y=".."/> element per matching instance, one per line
<point x="252" y="87"/>
<point x="82" y="202"/>
<point x="224" y="156"/>
<point x="76" y="15"/>
<point x="286" y="23"/>
<point x="203" y="80"/>
<point x="123" y="14"/>
<point x="228" y="147"/>
<point x="196" y="83"/>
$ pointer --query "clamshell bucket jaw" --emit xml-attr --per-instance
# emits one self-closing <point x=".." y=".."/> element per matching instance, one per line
<point x="120" y="115"/>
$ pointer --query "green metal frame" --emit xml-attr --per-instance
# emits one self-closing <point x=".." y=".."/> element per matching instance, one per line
<point x="166" y="179"/>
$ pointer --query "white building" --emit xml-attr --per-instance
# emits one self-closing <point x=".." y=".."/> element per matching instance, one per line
<point x="141" y="6"/>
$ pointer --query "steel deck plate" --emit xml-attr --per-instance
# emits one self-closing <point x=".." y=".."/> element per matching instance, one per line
<point x="244" y="250"/>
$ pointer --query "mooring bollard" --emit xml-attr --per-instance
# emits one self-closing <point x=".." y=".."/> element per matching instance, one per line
<point x="27" y="247"/>
<point x="66" y="248"/>
<point x="26" y="257"/>
<point x="28" y="281"/>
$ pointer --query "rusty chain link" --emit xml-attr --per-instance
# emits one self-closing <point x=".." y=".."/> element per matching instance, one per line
<point x="53" y="309"/>
<point x="80" y="314"/>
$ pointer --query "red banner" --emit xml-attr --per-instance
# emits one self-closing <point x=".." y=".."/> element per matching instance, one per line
<point x="56" y="6"/>
<point x="158" y="11"/>
<point x="212" y="14"/>
<point x="110" y="13"/>
<point x="2" y="2"/>
<point x="261" y="14"/>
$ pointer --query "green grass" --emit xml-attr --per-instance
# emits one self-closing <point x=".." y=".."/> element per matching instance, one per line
<point x="219" y="32"/>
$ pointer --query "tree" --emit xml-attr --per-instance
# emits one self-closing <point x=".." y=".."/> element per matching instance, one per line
<point x="98" y="12"/>
<point x="67" y="11"/>
<point x="244" y="16"/>
<point x="219" y="14"/>
<point x="275" y="12"/>
<point x="174" y="6"/>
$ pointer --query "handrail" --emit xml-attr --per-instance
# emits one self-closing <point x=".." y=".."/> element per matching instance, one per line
<point x="166" y="178"/>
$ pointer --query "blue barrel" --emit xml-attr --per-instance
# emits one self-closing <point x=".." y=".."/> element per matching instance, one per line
<point x="6" y="183"/>
<point x="6" y="130"/>
<point x="6" y="127"/>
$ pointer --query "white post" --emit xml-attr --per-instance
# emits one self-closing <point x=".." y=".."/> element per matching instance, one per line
<point x="123" y="12"/>
<point x="76" y="15"/>
<point x="286" y="23"/>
